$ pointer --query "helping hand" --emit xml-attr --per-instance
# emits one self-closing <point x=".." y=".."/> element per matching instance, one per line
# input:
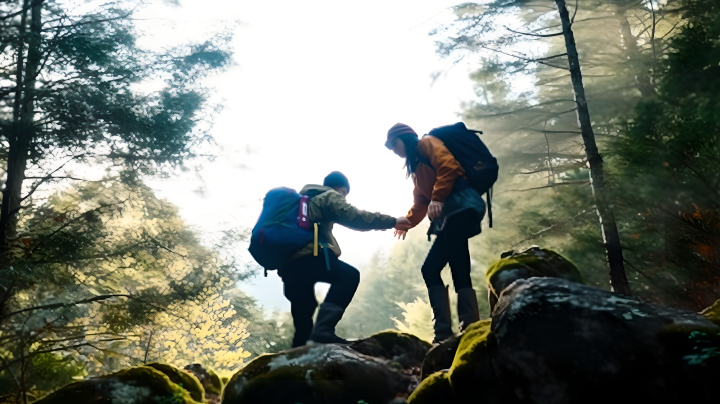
<point x="434" y="209"/>
<point x="402" y="223"/>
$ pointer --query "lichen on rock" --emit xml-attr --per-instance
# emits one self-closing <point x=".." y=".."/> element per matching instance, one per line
<point x="434" y="389"/>
<point x="137" y="385"/>
<point x="327" y="373"/>
<point x="182" y="378"/>
<point x="534" y="262"/>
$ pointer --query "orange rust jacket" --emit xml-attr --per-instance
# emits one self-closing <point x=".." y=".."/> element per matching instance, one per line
<point x="432" y="185"/>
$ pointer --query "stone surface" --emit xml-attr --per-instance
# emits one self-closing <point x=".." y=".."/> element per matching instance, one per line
<point x="138" y="385"/>
<point x="405" y="350"/>
<point x="319" y="374"/>
<point x="557" y="341"/>
<point x="182" y="378"/>
<point x="534" y="262"/>
<point x="440" y="357"/>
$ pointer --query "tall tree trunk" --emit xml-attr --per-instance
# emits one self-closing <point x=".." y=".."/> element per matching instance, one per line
<point x="611" y="238"/>
<point x="21" y="136"/>
<point x="642" y="78"/>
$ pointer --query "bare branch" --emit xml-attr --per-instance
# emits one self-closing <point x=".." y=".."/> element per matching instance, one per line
<point x="584" y="182"/>
<point x="60" y="305"/>
<point x="531" y="34"/>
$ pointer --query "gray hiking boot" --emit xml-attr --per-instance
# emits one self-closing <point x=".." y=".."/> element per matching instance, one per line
<point x="440" y="303"/>
<point x="467" y="307"/>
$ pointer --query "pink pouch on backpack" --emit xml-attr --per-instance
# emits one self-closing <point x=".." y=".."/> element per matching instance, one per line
<point x="302" y="218"/>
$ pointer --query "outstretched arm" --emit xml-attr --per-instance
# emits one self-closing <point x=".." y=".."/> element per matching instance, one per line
<point x="336" y="209"/>
<point x="419" y="209"/>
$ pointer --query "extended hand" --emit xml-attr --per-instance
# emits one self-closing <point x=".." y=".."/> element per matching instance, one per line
<point x="400" y="234"/>
<point x="402" y="223"/>
<point x="434" y="209"/>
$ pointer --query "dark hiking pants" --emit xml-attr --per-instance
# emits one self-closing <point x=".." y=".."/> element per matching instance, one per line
<point x="449" y="247"/>
<point x="300" y="277"/>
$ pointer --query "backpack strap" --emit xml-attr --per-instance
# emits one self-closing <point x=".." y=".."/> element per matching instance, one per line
<point x="489" y="203"/>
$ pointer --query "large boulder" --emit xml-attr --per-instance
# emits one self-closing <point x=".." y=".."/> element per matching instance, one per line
<point x="534" y="262"/>
<point x="329" y="374"/>
<point x="138" y="385"/>
<point x="556" y="341"/>
<point x="405" y="351"/>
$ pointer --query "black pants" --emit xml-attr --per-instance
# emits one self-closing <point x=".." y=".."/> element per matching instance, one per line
<point x="300" y="277"/>
<point x="449" y="247"/>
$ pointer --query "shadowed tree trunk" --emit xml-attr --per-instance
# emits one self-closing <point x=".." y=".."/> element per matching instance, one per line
<point x="642" y="80"/>
<point x="21" y="134"/>
<point x="611" y="238"/>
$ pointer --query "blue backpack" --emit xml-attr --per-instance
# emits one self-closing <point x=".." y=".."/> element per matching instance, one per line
<point x="282" y="229"/>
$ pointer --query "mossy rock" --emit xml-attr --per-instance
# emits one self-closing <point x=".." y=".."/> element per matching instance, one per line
<point x="712" y="313"/>
<point x="440" y="357"/>
<point x="208" y="379"/>
<point x="138" y="385"/>
<point x="214" y="384"/>
<point x="434" y="389"/>
<point x="534" y="262"/>
<point x="471" y="375"/>
<point x="181" y="378"/>
<point x="320" y="374"/>
<point x="405" y="349"/>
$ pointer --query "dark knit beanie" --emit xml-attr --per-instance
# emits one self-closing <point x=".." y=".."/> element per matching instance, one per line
<point x="336" y="179"/>
<point x="396" y="131"/>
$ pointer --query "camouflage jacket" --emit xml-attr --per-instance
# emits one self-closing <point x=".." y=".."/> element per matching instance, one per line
<point x="327" y="207"/>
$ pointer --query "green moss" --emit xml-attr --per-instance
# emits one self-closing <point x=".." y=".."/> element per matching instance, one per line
<point x="390" y="339"/>
<point x="471" y="358"/>
<point x="182" y="378"/>
<point x="539" y="262"/>
<point x="145" y="385"/>
<point x="213" y="385"/>
<point x="712" y="313"/>
<point x="434" y="389"/>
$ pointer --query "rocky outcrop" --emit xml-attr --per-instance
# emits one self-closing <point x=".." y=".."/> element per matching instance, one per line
<point x="534" y="262"/>
<point x="556" y="341"/>
<point x="380" y="369"/>
<point x="138" y="385"/>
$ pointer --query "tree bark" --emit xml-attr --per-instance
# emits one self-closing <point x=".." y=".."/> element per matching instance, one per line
<point x="21" y="136"/>
<point x="642" y="80"/>
<point x="611" y="238"/>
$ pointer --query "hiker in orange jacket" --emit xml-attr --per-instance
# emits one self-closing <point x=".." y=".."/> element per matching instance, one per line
<point x="455" y="211"/>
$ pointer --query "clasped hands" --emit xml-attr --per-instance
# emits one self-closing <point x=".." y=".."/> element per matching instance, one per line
<point x="402" y="224"/>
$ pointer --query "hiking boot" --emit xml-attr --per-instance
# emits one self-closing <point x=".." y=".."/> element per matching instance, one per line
<point x="328" y="316"/>
<point x="467" y="307"/>
<point x="440" y="303"/>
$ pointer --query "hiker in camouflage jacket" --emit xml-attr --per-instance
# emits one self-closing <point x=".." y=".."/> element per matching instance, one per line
<point x="320" y="263"/>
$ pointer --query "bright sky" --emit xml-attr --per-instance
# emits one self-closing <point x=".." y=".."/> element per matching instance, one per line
<point x="316" y="86"/>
